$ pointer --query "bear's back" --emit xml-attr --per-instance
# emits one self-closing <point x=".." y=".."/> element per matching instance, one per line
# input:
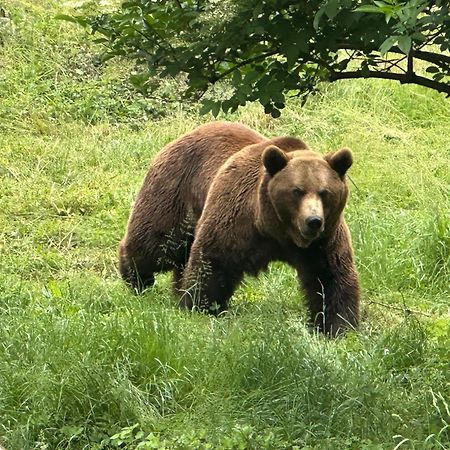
<point x="180" y="175"/>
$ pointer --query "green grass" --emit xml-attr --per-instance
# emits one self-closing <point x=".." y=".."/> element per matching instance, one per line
<point x="84" y="362"/>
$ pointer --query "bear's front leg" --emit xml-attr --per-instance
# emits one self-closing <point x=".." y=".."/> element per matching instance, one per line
<point x="208" y="284"/>
<point x="136" y="270"/>
<point x="330" y="282"/>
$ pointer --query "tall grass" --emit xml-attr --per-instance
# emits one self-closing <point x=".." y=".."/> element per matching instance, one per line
<point x="85" y="364"/>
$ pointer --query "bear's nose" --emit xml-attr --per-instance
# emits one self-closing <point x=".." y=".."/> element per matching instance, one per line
<point x="314" y="222"/>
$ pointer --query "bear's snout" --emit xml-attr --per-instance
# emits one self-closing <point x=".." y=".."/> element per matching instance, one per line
<point x="314" y="223"/>
<point x="311" y="217"/>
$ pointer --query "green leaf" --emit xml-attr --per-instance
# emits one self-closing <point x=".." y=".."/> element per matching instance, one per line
<point x="404" y="43"/>
<point x="291" y="51"/>
<point x="317" y="18"/>
<point x="78" y="20"/>
<point x="302" y="39"/>
<point x="206" y="106"/>
<point x="100" y="40"/>
<point x="418" y="36"/>
<point x="245" y="89"/>
<point x="332" y="9"/>
<point x="250" y="77"/>
<point x="263" y="96"/>
<point x="438" y="76"/>
<point x="432" y="69"/>
<point x="237" y="77"/>
<point x="368" y="9"/>
<point x="388" y="44"/>
<point x="268" y="108"/>
<point x="275" y="113"/>
<point x="215" y="109"/>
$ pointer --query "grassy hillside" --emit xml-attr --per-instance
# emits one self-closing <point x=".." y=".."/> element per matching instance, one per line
<point x="87" y="365"/>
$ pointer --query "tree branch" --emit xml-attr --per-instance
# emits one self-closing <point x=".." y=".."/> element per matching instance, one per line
<point x="439" y="59"/>
<point x="403" y="78"/>
<point x="393" y="63"/>
<point x="410" y="70"/>
<point x="242" y="63"/>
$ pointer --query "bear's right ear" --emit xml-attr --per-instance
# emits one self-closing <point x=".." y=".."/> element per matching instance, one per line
<point x="340" y="161"/>
<point x="274" y="159"/>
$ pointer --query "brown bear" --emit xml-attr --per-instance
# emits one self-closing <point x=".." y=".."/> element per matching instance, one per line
<point x="228" y="201"/>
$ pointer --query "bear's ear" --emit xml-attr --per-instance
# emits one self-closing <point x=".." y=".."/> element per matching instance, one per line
<point x="274" y="159"/>
<point x="340" y="161"/>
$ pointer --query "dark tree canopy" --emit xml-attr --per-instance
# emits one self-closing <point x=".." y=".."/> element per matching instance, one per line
<point x="270" y="49"/>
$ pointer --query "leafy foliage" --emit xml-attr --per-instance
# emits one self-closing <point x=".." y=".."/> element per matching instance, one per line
<point x="269" y="49"/>
<point x="245" y="437"/>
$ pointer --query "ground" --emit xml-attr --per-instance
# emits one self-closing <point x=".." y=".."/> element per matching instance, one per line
<point x="85" y="364"/>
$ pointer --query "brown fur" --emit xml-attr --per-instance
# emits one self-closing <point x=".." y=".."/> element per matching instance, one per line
<point x="161" y="226"/>
<point x="253" y="201"/>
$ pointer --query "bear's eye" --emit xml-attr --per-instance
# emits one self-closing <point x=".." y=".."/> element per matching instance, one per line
<point x="298" y="192"/>
<point x="323" y="194"/>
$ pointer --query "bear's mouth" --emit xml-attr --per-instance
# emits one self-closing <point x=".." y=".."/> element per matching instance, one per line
<point x="303" y="240"/>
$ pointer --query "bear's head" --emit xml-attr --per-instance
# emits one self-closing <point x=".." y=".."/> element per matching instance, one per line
<point x="307" y="191"/>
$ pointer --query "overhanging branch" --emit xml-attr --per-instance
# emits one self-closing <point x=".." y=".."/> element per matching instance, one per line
<point x="403" y="78"/>
<point x="442" y="61"/>
<point x="439" y="59"/>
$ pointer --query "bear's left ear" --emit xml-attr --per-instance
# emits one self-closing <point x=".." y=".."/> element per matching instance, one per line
<point x="274" y="159"/>
<point x="340" y="161"/>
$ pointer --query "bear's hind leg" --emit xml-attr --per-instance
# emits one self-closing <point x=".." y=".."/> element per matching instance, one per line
<point x="177" y="281"/>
